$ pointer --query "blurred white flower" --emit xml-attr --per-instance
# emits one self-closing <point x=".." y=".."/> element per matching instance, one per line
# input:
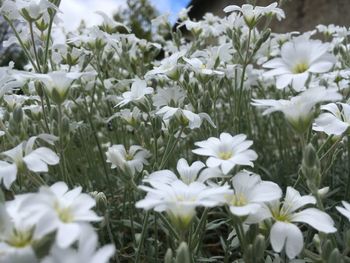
<point x="227" y="152"/>
<point x="85" y="252"/>
<point x="56" y="208"/>
<point x="198" y="66"/>
<point x="185" y="117"/>
<point x="24" y="157"/>
<point x="187" y="173"/>
<point x="168" y="66"/>
<point x="250" y="192"/>
<point x="131" y="160"/>
<point x="334" y="121"/>
<point x="299" y="57"/>
<point x="180" y="200"/>
<point x="345" y="211"/>
<point x="30" y="10"/>
<point x="16" y="233"/>
<point x="252" y="14"/>
<point x="169" y="97"/>
<point x="137" y="93"/>
<point x="299" y="109"/>
<point x="109" y="25"/>
<point x="7" y="81"/>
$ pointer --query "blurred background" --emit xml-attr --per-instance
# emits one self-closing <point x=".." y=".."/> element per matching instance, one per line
<point x="302" y="15"/>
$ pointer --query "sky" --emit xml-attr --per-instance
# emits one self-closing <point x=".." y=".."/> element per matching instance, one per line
<point x="73" y="11"/>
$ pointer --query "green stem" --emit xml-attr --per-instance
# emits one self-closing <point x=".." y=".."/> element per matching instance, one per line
<point x="199" y="230"/>
<point x="167" y="151"/>
<point x="245" y="64"/>
<point x="34" y="46"/>
<point x="142" y="238"/>
<point x="347" y="189"/>
<point x="61" y="145"/>
<point x="25" y="50"/>
<point x="49" y="37"/>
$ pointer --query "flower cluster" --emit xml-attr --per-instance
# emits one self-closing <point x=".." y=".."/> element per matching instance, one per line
<point x="52" y="213"/>
<point x="212" y="140"/>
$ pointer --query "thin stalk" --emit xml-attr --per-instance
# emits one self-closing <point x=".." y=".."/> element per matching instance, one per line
<point x="49" y="36"/>
<point x="199" y="230"/>
<point x="142" y="238"/>
<point x="25" y="50"/>
<point x="168" y="152"/>
<point x="347" y="189"/>
<point x="60" y="129"/>
<point x="245" y="64"/>
<point x="34" y="46"/>
<point x="44" y="114"/>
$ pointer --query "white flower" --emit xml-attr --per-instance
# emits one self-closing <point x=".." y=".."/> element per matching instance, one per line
<point x="196" y="172"/>
<point x="345" y="211"/>
<point x="128" y="161"/>
<point x="16" y="233"/>
<point x="227" y="152"/>
<point x="7" y="81"/>
<point x="200" y="67"/>
<point x="299" y="57"/>
<point x="86" y="250"/>
<point x="168" y="66"/>
<point x="185" y="117"/>
<point x="252" y="14"/>
<point x="188" y="173"/>
<point x="299" y="109"/>
<point x="110" y="25"/>
<point x="250" y="192"/>
<point x="168" y="97"/>
<point x="137" y="93"/>
<point x="284" y="233"/>
<point x="334" y="121"/>
<point x="55" y="208"/>
<point x="24" y="157"/>
<point x="179" y="200"/>
<point x="57" y="83"/>
<point x="28" y="9"/>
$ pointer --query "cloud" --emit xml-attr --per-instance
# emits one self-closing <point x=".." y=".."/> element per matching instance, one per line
<point x="172" y="7"/>
<point x="76" y="10"/>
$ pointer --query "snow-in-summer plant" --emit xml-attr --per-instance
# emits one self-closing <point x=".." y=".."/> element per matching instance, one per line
<point x="131" y="140"/>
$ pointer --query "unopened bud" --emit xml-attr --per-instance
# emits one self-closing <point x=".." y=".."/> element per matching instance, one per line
<point x="183" y="254"/>
<point x="18" y="114"/>
<point x="168" y="256"/>
<point x="259" y="246"/>
<point x="335" y="256"/>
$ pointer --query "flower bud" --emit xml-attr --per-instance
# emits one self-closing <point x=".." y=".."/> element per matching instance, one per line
<point x="18" y="114"/>
<point x="101" y="200"/>
<point x="310" y="156"/>
<point x="317" y="242"/>
<point x="183" y="254"/>
<point x="259" y="247"/>
<point x="65" y="125"/>
<point x="39" y="88"/>
<point x="335" y="256"/>
<point x="168" y="256"/>
<point x="262" y="40"/>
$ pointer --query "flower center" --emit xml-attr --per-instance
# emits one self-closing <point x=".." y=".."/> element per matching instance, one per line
<point x="20" y="239"/>
<point x="239" y="200"/>
<point x="300" y="68"/>
<point x="129" y="157"/>
<point x="281" y="215"/>
<point x="64" y="213"/>
<point x="225" y="155"/>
